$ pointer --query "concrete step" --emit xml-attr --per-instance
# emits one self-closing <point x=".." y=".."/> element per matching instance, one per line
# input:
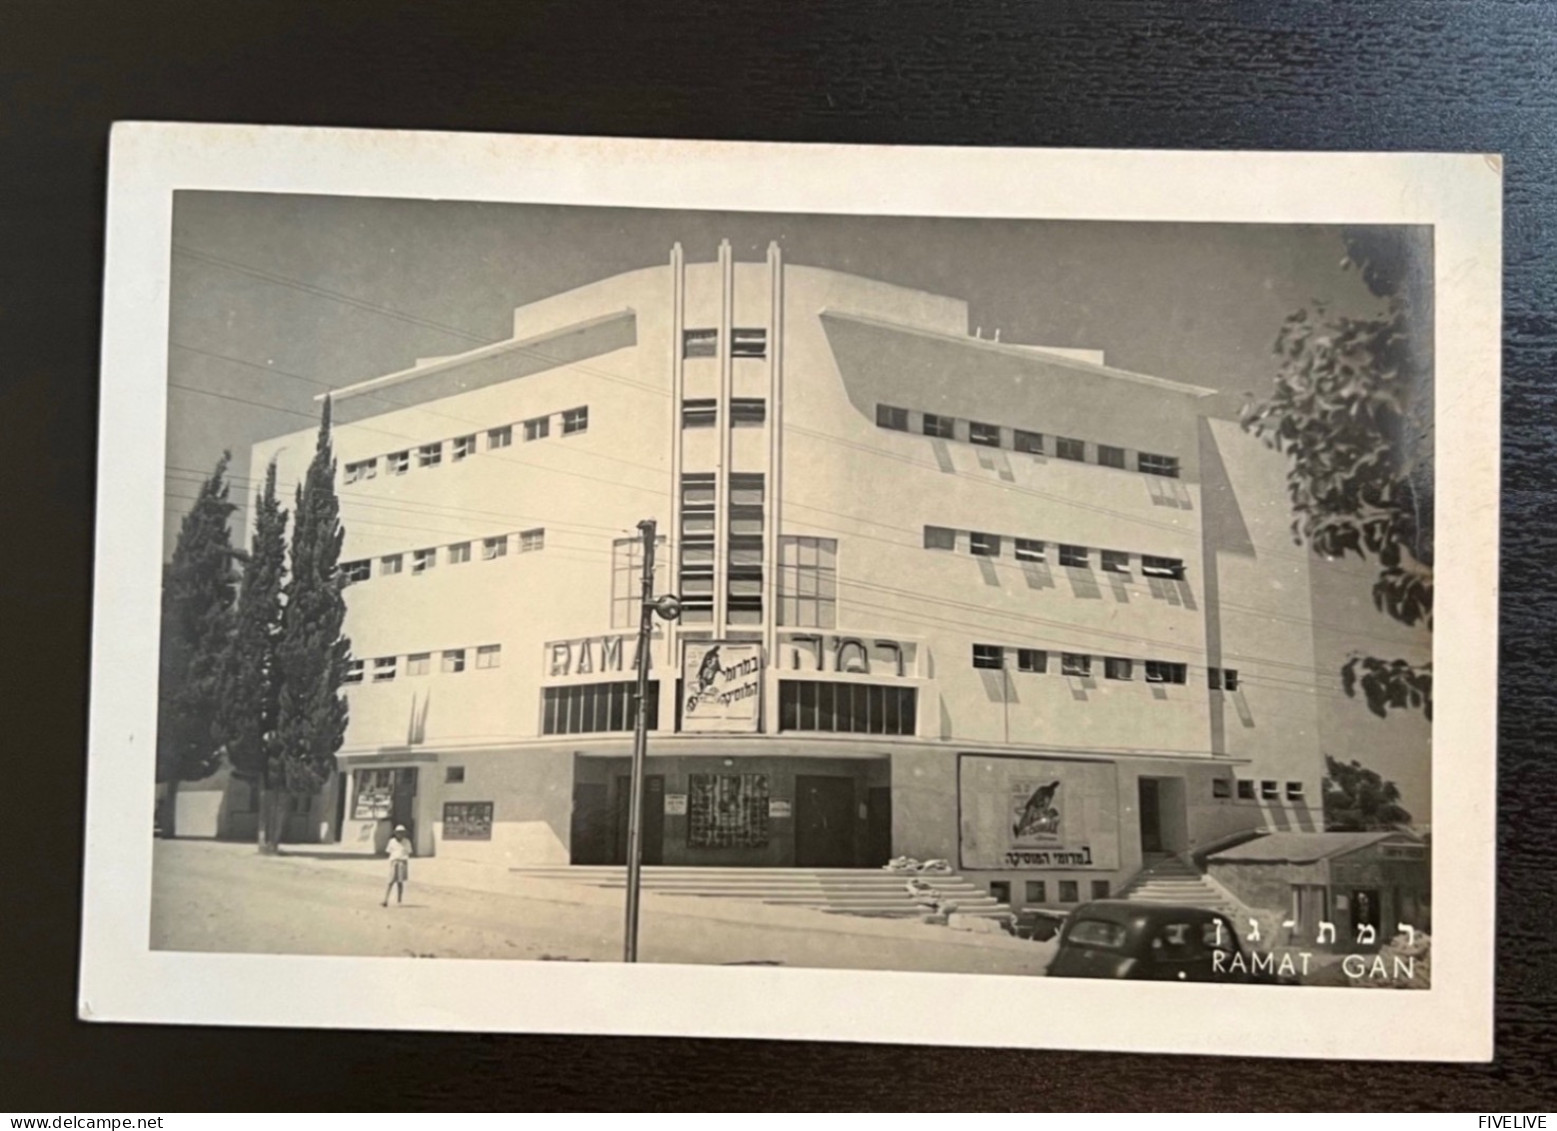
<point x="854" y="891"/>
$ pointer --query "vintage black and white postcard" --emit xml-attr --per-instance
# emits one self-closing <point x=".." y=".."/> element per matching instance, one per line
<point x="910" y="595"/>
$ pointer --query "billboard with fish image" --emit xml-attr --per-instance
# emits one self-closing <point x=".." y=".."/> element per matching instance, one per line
<point x="1037" y="813"/>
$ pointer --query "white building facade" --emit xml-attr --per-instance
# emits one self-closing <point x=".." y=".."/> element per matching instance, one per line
<point x="990" y="603"/>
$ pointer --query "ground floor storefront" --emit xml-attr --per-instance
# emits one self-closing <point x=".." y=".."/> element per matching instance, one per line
<point x="1034" y="829"/>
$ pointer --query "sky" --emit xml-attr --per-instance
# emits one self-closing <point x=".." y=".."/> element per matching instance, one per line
<point x="275" y="298"/>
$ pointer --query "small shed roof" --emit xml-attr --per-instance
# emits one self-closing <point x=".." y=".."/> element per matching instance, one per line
<point x="1303" y="848"/>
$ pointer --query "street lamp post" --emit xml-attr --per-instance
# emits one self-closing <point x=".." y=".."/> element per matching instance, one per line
<point x="668" y="608"/>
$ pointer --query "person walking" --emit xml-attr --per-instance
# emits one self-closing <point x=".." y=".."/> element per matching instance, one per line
<point x="400" y="853"/>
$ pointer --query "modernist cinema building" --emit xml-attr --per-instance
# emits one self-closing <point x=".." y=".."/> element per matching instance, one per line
<point x="990" y="603"/>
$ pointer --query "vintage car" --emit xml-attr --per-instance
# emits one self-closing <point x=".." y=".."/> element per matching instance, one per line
<point x="1113" y="938"/>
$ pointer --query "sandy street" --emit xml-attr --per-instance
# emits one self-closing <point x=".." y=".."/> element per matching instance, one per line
<point x="225" y="897"/>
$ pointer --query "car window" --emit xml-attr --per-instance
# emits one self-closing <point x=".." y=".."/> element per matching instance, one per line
<point x="1095" y="932"/>
<point x="1177" y="940"/>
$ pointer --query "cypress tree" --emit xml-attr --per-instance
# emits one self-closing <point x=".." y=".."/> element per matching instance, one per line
<point x="311" y="652"/>
<point x="198" y="587"/>
<point x="251" y="699"/>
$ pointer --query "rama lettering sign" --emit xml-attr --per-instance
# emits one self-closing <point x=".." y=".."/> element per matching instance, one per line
<point x="847" y="655"/>
<point x="721" y="687"/>
<point x="592" y="655"/>
<point x="1022" y="813"/>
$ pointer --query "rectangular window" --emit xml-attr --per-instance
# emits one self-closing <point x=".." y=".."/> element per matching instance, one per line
<point x="1294" y="791"/>
<point x="748" y="412"/>
<point x="699" y="492"/>
<point x="464" y="446"/>
<point x="1222" y="679"/>
<point x="1074" y="663"/>
<point x="1162" y="671"/>
<point x="699" y="343"/>
<point x="418" y="663"/>
<point x="1029" y="550"/>
<point x="808" y="582"/>
<point x="987" y="435"/>
<point x="1099" y="889"/>
<point x="575" y="420"/>
<point x="887" y="416"/>
<point x="364" y="469"/>
<point x="399" y="462"/>
<point x="1024" y="441"/>
<point x="939" y="426"/>
<point x="1000" y="890"/>
<point x="748" y="342"/>
<point x="423" y="560"/>
<point x="500" y="437"/>
<point x="697" y="489"/>
<point x="989" y="656"/>
<point x="459" y="553"/>
<point x="1037" y="891"/>
<point x="454" y="660"/>
<point x="1032" y="660"/>
<point x="743" y="579"/>
<point x="1067" y="448"/>
<point x="532" y="540"/>
<point x="1115" y="561"/>
<point x="429" y="455"/>
<point x="747" y="490"/>
<point x="353" y="671"/>
<point x="1221" y="788"/>
<point x="496" y="547"/>
<point x="1158" y="465"/>
<point x="467" y="820"/>
<point x="384" y="669"/>
<point x="489" y="656"/>
<point x="699" y="412"/>
<point x="1270" y="791"/>
<point x="594" y="708"/>
<point x="537" y="428"/>
<point x="1246" y="791"/>
<point x="390" y="563"/>
<point x="939" y="538"/>
<point x="982" y="545"/>
<point x="1110" y="457"/>
<point x="1162" y="567"/>
<point x="847" y="707"/>
<point x="453" y="775"/>
<point x="1069" y="892"/>
<point x="353" y="572"/>
<point x="727" y="810"/>
<point x="1117" y="667"/>
<point x="1074" y="556"/>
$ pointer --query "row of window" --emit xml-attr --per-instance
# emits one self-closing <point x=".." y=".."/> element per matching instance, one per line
<point x="456" y="553"/>
<point x="982" y="544"/>
<point x="1021" y="440"/>
<point x="452" y="661"/>
<point x="1036" y="661"/>
<point x="837" y="707"/>
<point x="703" y="412"/>
<point x="745" y="341"/>
<point x="595" y="708"/>
<point x="1037" y="891"/>
<point x="744" y="547"/>
<point x="1269" y="790"/>
<point x="574" y="420"/>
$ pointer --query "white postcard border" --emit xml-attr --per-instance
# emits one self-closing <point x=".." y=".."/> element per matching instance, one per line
<point x="122" y="979"/>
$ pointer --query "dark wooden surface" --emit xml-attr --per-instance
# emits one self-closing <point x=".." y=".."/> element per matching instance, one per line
<point x="1283" y="74"/>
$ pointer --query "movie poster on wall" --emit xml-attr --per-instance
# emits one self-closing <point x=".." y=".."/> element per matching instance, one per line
<point x="721" y="687"/>
<point x="1032" y="813"/>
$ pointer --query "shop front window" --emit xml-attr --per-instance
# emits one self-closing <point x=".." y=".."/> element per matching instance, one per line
<point x="727" y="810"/>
